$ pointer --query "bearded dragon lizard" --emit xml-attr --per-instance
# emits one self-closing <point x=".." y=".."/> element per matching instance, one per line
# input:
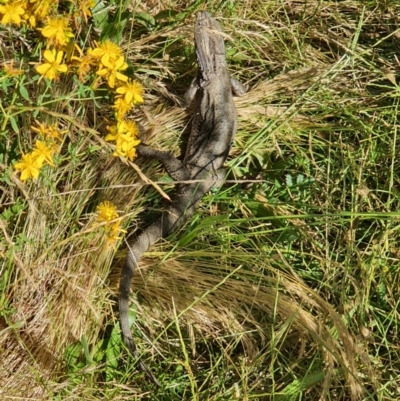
<point x="212" y="133"/>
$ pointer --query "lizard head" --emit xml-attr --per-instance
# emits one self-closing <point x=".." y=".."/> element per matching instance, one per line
<point x="210" y="48"/>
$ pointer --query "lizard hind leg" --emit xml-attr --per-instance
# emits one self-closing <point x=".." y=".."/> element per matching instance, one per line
<point x="220" y="177"/>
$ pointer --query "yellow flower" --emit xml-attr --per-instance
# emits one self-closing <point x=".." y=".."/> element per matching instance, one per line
<point x="112" y="233"/>
<point x="10" y="70"/>
<point x="85" y="62"/>
<point x="108" y="53"/>
<point x="38" y="10"/>
<point x="57" y="31"/>
<point x="125" y="135"/>
<point x="113" y="74"/>
<point x="41" y="129"/>
<point x="132" y="92"/>
<point x="106" y="211"/>
<point x="123" y="127"/>
<point x="53" y="66"/>
<point x="113" y="133"/>
<point x="11" y="12"/>
<point x="43" y="153"/>
<point x="121" y="108"/>
<point x="55" y="133"/>
<point x="29" y="166"/>
<point x="126" y="147"/>
<point x="84" y="8"/>
<point x="48" y="131"/>
<point x="128" y="126"/>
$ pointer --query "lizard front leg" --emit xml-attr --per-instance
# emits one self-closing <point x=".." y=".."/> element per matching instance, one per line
<point x="174" y="167"/>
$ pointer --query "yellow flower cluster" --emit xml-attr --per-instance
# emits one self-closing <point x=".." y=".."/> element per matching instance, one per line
<point x="107" y="57"/>
<point x="109" y="60"/>
<point x="107" y="213"/>
<point x="125" y="134"/>
<point x="31" y="163"/>
<point x="57" y="34"/>
<point x="104" y="62"/>
<point x="34" y="12"/>
<point x="56" y="30"/>
<point x="128" y="95"/>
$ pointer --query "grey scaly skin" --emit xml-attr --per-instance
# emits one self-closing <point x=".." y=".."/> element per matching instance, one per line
<point x="212" y="133"/>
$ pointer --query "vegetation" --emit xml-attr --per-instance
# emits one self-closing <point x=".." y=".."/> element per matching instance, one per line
<point x="284" y="286"/>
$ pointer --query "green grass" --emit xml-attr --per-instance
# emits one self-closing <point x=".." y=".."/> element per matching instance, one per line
<point x="283" y="286"/>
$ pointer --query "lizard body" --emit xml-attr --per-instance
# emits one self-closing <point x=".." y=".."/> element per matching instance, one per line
<point x="212" y="133"/>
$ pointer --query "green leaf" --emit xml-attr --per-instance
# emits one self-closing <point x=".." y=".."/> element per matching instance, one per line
<point x="113" y="352"/>
<point x="72" y="355"/>
<point x="24" y="93"/>
<point x="146" y="20"/>
<point x="166" y="14"/>
<point x="100" y="15"/>
<point x="300" y="179"/>
<point x="293" y="390"/>
<point x="6" y="83"/>
<point x="85" y="346"/>
<point x="14" y="124"/>
<point x="98" y="351"/>
<point x="115" y="26"/>
<point x="132" y="317"/>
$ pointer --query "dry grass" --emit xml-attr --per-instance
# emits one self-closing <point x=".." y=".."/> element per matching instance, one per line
<point x="268" y="284"/>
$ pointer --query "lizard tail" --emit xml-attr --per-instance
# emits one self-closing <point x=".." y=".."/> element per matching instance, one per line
<point x="135" y="251"/>
<point x="178" y="213"/>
